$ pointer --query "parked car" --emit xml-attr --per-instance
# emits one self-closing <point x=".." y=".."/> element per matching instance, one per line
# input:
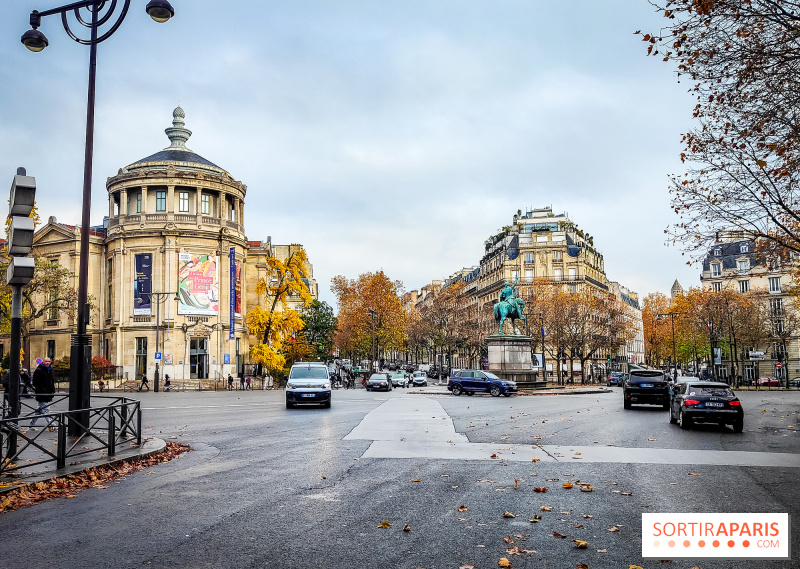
<point x="399" y="379"/>
<point x="794" y="382"/>
<point x="393" y="366"/>
<point x="646" y="386"/>
<point x="769" y="382"/>
<point x="308" y="383"/>
<point x="471" y="381"/>
<point x="419" y="379"/>
<point x="705" y="402"/>
<point x="378" y="381"/>
<point x="409" y="367"/>
<point x="433" y="371"/>
<point x="615" y="378"/>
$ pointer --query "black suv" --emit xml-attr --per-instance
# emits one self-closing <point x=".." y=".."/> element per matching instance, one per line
<point x="645" y="386"/>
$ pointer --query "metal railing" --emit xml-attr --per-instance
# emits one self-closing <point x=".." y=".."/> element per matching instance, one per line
<point x="109" y="427"/>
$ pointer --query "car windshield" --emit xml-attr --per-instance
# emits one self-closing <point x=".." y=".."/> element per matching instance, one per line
<point x="490" y="375"/>
<point x="310" y="372"/>
<point x="709" y="391"/>
<point x="377" y="377"/>
<point x="647" y="375"/>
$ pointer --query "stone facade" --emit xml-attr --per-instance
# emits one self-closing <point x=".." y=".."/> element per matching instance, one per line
<point x="175" y="230"/>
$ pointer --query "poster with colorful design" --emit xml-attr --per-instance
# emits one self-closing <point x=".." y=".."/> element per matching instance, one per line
<point x="198" y="284"/>
<point x="238" y="288"/>
<point x="142" y="283"/>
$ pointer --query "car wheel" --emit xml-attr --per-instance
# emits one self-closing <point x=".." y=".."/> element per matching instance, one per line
<point x="626" y="404"/>
<point x="683" y="421"/>
<point x="326" y="405"/>
<point x="738" y="426"/>
<point x="665" y="406"/>
<point x="457" y="389"/>
<point x="672" y="418"/>
<point x="495" y="391"/>
<point x="289" y="405"/>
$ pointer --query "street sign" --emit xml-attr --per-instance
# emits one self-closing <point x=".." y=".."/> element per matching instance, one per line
<point x="757" y="356"/>
<point x="158" y="355"/>
<point x="778" y="365"/>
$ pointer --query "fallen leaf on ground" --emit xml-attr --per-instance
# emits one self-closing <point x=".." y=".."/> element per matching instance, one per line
<point x="694" y="474"/>
<point x="545" y="508"/>
<point x="581" y="566"/>
<point x="567" y="484"/>
<point x="504" y="562"/>
<point x="540" y="489"/>
<point x="627" y="493"/>
<point x="650" y="439"/>
<point x="535" y="459"/>
<point x="323" y="477"/>
<point x="384" y="525"/>
<point x="509" y="515"/>
<point x="494" y="456"/>
<point x="589" y="516"/>
<point x="559" y="535"/>
<point x="580" y="544"/>
<point x="467" y="566"/>
<point x="508" y="540"/>
<point x="516" y="482"/>
<point x="602" y="551"/>
<point x="613" y="528"/>
<point x="416" y="480"/>
<point x="586" y="488"/>
<point x="517" y="550"/>
<point x="462" y="508"/>
<point x="406" y="527"/>
<point x="635" y="567"/>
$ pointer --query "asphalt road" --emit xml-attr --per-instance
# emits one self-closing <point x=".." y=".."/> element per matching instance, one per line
<point x="268" y="487"/>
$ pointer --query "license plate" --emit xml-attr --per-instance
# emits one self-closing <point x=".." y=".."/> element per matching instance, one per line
<point x="715" y="405"/>
<point x="646" y="385"/>
<point x="308" y="395"/>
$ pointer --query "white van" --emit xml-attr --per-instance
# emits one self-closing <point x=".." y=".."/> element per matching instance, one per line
<point x="309" y="383"/>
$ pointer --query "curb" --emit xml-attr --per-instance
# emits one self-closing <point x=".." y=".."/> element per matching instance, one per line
<point x="149" y="447"/>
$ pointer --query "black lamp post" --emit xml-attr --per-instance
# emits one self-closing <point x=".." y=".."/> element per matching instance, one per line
<point x="101" y="12"/>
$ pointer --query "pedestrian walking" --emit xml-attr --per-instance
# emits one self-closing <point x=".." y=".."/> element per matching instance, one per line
<point x="230" y="382"/>
<point x="241" y="382"/>
<point x="101" y="384"/>
<point x="45" y="387"/>
<point x="144" y="383"/>
<point x="167" y="383"/>
<point x="248" y="382"/>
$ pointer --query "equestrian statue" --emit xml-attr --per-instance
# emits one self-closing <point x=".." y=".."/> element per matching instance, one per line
<point x="509" y="307"/>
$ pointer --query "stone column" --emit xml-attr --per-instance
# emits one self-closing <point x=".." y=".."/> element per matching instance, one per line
<point x="171" y="202"/>
<point x="144" y="200"/>
<point x="111" y="205"/>
<point x="123" y="202"/>
<point x="198" y="194"/>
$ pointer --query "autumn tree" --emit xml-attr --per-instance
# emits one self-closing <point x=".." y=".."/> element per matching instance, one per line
<point x="275" y="323"/>
<point x="742" y="58"/>
<point x="657" y="334"/>
<point x="48" y="295"/>
<point x="371" y="315"/>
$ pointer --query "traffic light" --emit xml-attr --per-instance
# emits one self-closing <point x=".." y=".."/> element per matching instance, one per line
<point x="20" y="234"/>
<point x="608" y="358"/>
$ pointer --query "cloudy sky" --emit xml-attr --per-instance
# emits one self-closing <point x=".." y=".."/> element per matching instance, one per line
<point x="394" y="135"/>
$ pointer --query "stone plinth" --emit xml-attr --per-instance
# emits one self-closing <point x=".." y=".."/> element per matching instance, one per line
<point x="510" y="358"/>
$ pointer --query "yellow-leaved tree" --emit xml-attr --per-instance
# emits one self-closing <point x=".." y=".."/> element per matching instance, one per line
<point x="275" y="323"/>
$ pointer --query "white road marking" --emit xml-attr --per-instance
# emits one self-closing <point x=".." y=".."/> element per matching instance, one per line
<point x="420" y="428"/>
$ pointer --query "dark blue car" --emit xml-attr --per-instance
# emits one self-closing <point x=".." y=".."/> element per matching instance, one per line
<point x="471" y="381"/>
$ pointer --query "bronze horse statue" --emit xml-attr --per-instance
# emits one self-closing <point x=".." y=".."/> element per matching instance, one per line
<point x="512" y="308"/>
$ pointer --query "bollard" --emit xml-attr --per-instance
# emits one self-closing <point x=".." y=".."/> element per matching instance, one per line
<point x="61" y="451"/>
<point x="112" y="435"/>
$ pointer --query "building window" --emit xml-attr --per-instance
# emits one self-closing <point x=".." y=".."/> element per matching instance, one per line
<point x="541" y="238"/>
<point x="716" y="287"/>
<point x="743" y="248"/>
<point x="775" y="284"/>
<point x="744" y="266"/>
<point x="161" y="200"/>
<point x="231" y="211"/>
<point x="528" y="275"/>
<point x="141" y="357"/>
<point x="716" y="270"/>
<point x="573" y="288"/>
<point x="52" y="309"/>
<point x="51" y="349"/>
<point x="514" y="275"/>
<point x="183" y="202"/>
<point x="206" y="204"/>
<point x="573" y="274"/>
<point x="557" y="274"/>
<point x="776" y="307"/>
<point x="744" y="286"/>
<point x="529" y="258"/>
<point x="557" y="256"/>
<point x="139" y="202"/>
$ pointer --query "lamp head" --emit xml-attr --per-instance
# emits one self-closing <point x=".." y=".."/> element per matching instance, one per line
<point x="160" y="10"/>
<point x="34" y="40"/>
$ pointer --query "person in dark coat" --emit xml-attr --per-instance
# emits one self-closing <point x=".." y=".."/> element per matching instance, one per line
<point x="45" y="388"/>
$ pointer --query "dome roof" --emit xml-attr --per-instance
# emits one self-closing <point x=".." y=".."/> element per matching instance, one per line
<point x="177" y="152"/>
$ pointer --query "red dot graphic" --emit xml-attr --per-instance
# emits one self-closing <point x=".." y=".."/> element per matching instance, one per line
<point x="715" y="543"/>
<point x="671" y="543"/>
<point x="746" y="543"/>
<point x="731" y="543"/>
<point x="701" y="543"/>
<point x="687" y="543"/>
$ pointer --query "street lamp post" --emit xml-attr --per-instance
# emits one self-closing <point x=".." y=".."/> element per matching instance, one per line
<point x="671" y="316"/>
<point x="374" y="316"/>
<point x="544" y="363"/>
<point x="160" y="297"/>
<point x="81" y="344"/>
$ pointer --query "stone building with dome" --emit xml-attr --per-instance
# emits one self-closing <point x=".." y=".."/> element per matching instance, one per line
<point x="171" y="274"/>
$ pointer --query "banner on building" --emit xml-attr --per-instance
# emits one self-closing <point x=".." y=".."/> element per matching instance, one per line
<point x="232" y="294"/>
<point x="142" y="284"/>
<point x="198" y="284"/>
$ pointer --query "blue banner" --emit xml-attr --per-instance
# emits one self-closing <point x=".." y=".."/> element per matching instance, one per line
<point x="232" y="295"/>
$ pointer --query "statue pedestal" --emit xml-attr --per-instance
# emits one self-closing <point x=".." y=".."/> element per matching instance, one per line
<point x="510" y="358"/>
